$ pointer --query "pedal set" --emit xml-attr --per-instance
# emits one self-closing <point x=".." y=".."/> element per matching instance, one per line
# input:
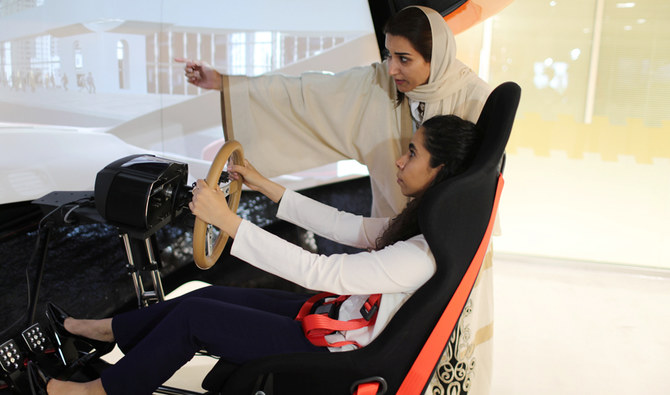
<point x="37" y="341"/>
<point x="11" y="357"/>
<point x="34" y="345"/>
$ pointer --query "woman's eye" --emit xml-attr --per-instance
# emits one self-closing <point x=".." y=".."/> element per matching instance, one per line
<point x="404" y="59"/>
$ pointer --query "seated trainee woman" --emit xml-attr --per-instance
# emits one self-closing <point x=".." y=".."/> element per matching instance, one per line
<point x="241" y="324"/>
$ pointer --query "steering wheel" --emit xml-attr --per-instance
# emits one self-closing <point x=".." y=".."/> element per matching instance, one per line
<point x="204" y="254"/>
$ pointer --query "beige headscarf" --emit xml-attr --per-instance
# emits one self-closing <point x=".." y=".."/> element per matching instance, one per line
<point x="448" y="75"/>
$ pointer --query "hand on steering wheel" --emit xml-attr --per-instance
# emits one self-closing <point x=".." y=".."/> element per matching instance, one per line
<point x="205" y="255"/>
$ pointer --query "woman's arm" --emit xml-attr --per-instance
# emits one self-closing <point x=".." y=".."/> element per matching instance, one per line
<point x="342" y="227"/>
<point x="209" y="205"/>
<point x="329" y="222"/>
<point x="401" y="267"/>
<point x="315" y="118"/>
<point x="256" y="181"/>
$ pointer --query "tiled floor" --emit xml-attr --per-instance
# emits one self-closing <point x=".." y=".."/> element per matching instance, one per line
<point x="565" y="327"/>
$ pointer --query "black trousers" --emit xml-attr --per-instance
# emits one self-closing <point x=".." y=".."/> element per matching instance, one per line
<point x="236" y="324"/>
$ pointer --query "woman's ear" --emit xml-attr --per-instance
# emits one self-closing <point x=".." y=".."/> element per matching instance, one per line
<point x="441" y="168"/>
<point x="441" y="173"/>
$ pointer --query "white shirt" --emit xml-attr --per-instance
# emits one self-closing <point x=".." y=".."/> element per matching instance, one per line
<point x="396" y="271"/>
<point x="417" y="115"/>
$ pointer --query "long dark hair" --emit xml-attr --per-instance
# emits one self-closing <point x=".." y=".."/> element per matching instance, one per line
<point x="451" y="142"/>
<point x="412" y="24"/>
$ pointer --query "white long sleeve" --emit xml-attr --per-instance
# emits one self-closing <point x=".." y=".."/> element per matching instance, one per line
<point x="401" y="267"/>
<point x="339" y="226"/>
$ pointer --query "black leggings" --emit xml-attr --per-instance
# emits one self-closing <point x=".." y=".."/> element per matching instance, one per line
<point x="236" y="324"/>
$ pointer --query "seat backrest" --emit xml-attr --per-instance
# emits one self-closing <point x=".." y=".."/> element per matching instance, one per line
<point x="454" y="218"/>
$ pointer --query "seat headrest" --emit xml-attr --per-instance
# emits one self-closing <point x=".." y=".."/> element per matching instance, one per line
<point x="459" y="208"/>
<point x="495" y="122"/>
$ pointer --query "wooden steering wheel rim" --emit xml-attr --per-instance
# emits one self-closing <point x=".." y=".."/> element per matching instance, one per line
<point x="202" y="260"/>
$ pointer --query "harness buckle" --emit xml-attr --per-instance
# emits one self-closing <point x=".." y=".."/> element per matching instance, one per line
<point x="330" y="308"/>
<point x="368" y="313"/>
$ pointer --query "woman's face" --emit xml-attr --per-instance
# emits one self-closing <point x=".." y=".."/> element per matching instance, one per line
<point x="407" y="67"/>
<point x="414" y="171"/>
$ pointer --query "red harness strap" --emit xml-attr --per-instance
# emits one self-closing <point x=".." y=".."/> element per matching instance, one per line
<point x="317" y="325"/>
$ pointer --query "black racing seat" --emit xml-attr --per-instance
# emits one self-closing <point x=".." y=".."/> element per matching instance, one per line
<point x="456" y="220"/>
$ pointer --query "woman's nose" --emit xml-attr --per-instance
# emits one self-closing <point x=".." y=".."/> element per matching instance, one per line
<point x="400" y="162"/>
<point x="393" y="67"/>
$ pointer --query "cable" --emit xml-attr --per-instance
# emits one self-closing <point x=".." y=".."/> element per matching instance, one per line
<point x="68" y="214"/>
<point x="83" y="202"/>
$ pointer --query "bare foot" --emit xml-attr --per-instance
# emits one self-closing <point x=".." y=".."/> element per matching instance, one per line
<point x="57" y="387"/>
<point x="92" y="329"/>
